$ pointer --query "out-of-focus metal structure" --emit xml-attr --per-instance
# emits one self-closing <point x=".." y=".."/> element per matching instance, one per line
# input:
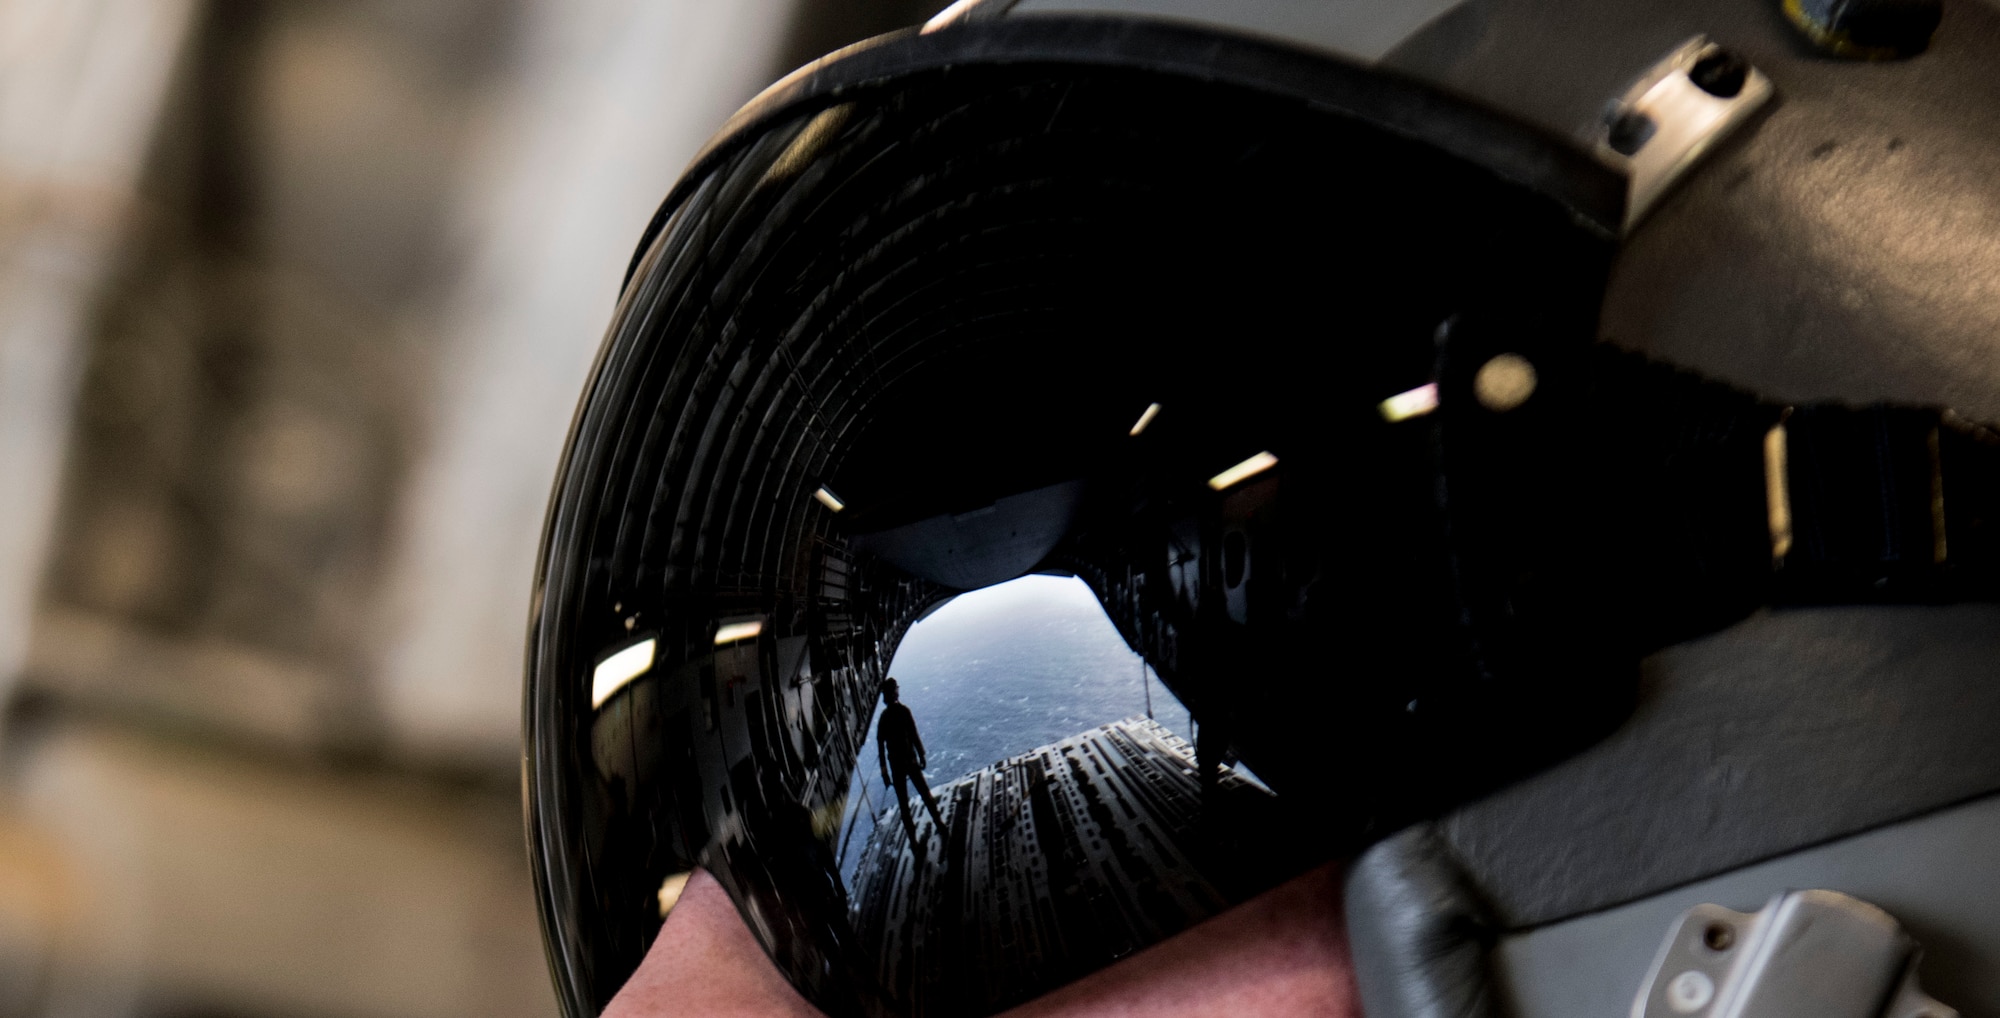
<point x="81" y="88"/>
<point x="294" y="302"/>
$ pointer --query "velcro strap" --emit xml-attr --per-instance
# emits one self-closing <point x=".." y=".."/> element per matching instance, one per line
<point x="1866" y="520"/>
<point x="1969" y="460"/>
<point x="1890" y="503"/>
<point x="1696" y="537"/>
<point x="1632" y="500"/>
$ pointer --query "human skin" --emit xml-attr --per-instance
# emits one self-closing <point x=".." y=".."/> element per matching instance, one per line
<point x="1282" y="954"/>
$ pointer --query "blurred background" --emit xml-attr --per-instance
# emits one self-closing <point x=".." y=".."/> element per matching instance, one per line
<point x="296" y="300"/>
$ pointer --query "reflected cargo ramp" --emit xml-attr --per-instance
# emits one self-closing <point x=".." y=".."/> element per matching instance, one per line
<point x="1053" y="863"/>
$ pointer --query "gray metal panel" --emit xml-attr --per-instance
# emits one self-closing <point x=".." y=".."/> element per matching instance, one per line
<point x="1789" y="729"/>
<point x="1356" y="29"/>
<point x="1939" y="875"/>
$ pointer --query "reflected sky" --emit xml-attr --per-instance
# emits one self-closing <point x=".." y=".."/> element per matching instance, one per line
<point x="1001" y="671"/>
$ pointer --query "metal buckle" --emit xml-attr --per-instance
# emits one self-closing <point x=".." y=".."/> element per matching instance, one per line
<point x="1807" y="954"/>
<point x="1674" y="114"/>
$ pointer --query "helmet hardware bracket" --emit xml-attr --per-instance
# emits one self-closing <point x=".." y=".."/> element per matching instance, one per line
<point x="1676" y="113"/>
<point x="1818" y="953"/>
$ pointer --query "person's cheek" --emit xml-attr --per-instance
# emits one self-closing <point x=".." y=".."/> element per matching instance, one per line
<point x="706" y="964"/>
<point x="1282" y="954"/>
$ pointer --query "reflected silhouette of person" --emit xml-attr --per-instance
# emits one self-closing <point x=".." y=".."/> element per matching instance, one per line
<point x="900" y="751"/>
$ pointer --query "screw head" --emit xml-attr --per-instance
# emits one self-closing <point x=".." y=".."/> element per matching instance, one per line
<point x="1690" y="991"/>
<point x="1627" y="131"/>
<point x="1505" y="382"/>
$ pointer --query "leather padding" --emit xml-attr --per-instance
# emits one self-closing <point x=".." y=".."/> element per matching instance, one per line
<point x="1419" y="933"/>
<point x="1792" y="729"/>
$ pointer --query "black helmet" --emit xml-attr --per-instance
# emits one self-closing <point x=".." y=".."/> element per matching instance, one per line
<point x="1416" y="388"/>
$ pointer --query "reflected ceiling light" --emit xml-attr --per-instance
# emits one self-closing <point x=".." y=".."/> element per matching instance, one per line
<point x="1415" y="403"/>
<point x="1146" y="418"/>
<point x="806" y="147"/>
<point x="828" y="499"/>
<point x="670" y="891"/>
<point x="615" y="671"/>
<point x="948" y="16"/>
<point x="737" y="631"/>
<point x="1777" y="493"/>
<point x="1248" y="468"/>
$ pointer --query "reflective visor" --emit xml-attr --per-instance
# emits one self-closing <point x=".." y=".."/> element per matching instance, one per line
<point x="1075" y="394"/>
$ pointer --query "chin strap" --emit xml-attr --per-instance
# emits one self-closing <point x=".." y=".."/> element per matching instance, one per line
<point x="1635" y="497"/>
<point x="1807" y="504"/>
<point x="1883" y="503"/>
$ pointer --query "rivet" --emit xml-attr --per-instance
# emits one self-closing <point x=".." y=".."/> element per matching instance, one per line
<point x="1690" y="991"/>
<point x="1504" y="382"/>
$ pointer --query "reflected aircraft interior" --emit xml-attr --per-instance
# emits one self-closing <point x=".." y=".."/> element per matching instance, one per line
<point x="1075" y="826"/>
<point x="918" y="363"/>
<point x="997" y="671"/>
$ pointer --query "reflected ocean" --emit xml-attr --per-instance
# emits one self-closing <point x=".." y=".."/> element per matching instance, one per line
<point x="998" y="672"/>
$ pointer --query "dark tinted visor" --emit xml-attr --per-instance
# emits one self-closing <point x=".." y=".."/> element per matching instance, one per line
<point x="1146" y="331"/>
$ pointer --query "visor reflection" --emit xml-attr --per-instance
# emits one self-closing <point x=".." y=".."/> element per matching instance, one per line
<point x="1415" y="403"/>
<point x="955" y="346"/>
<point x="1145" y="419"/>
<point x="615" y="672"/>
<point x="1243" y="471"/>
<point x="670" y="891"/>
<point x="736" y="631"/>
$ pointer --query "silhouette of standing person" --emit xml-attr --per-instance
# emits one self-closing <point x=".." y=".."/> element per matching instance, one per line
<point x="900" y="751"/>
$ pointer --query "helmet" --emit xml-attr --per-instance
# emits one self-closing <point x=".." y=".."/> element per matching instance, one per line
<point x="1433" y="397"/>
